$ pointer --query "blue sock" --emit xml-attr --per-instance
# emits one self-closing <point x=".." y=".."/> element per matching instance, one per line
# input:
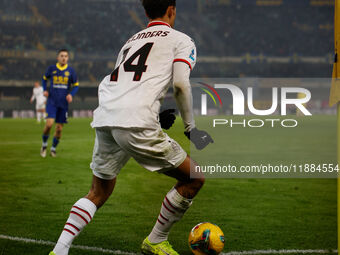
<point x="45" y="138"/>
<point x="55" y="143"/>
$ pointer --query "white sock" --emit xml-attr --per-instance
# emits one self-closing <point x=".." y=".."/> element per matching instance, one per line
<point x="81" y="214"/>
<point x="173" y="208"/>
<point x="39" y="116"/>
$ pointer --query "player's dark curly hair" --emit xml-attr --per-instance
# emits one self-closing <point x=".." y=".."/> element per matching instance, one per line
<point x="157" y="8"/>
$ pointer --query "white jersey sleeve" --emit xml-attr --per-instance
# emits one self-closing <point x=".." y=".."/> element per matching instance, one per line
<point x="183" y="95"/>
<point x="186" y="52"/>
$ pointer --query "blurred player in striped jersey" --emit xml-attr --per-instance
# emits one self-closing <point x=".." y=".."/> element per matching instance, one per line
<point x="63" y="86"/>
<point x="40" y="101"/>
<point x="128" y="124"/>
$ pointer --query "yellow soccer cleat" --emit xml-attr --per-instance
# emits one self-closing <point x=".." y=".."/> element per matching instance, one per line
<point x="163" y="248"/>
<point x="51" y="253"/>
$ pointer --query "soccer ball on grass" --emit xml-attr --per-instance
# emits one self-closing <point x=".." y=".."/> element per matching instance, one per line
<point x="206" y="239"/>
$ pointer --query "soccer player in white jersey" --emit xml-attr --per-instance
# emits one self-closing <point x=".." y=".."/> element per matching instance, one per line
<point x="127" y="125"/>
<point x="40" y="101"/>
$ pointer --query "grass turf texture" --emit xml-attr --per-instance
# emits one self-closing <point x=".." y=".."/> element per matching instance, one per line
<point x="37" y="194"/>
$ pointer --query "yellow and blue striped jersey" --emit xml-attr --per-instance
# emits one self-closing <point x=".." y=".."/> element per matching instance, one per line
<point x="63" y="81"/>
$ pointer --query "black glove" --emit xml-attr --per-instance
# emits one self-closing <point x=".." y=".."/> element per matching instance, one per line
<point x="167" y="118"/>
<point x="199" y="138"/>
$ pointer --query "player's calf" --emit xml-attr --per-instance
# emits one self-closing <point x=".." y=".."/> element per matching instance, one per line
<point x="189" y="189"/>
<point x="58" y="130"/>
<point x="45" y="136"/>
<point x="56" y="139"/>
<point x="189" y="182"/>
<point x="48" y="126"/>
<point x="100" y="190"/>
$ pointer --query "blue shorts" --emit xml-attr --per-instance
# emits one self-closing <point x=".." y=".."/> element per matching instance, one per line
<point x="57" y="113"/>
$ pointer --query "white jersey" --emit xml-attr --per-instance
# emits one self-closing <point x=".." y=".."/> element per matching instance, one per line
<point x="38" y="95"/>
<point x="131" y="96"/>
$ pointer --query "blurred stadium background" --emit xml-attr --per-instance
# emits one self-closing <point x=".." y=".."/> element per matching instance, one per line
<point x="248" y="38"/>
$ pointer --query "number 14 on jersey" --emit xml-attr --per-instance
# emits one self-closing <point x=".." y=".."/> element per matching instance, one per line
<point x="139" y="68"/>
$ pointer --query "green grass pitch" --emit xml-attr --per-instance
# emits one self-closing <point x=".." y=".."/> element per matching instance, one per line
<point x="37" y="194"/>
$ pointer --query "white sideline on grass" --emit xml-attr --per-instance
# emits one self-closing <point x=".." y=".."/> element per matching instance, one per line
<point x="79" y="247"/>
<point x="98" y="249"/>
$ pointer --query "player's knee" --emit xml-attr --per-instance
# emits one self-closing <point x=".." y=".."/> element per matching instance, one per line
<point x="196" y="184"/>
<point x="58" y="131"/>
<point x="58" y="134"/>
<point x="98" y="197"/>
<point x="199" y="180"/>
<point x="98" y="194"/>
<point x="48" y="126"/>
